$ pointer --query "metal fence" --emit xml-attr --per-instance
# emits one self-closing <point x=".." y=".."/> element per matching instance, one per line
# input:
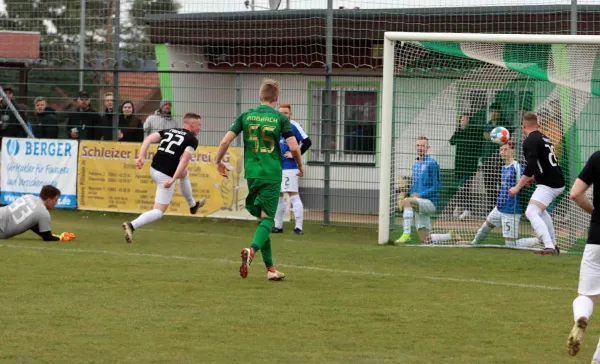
<point x="341" y="184"/>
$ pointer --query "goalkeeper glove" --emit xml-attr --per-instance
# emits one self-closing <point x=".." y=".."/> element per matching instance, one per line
<point x="66" y="236"/>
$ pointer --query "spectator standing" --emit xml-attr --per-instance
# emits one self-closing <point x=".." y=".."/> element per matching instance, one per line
<point x="9" y="124"/>
<point x="84" y="122"/>
<point x="131" y="128"/>
<point x="467" y="141"/>
<point x="161" y="119"/>
<point x="107" y="116"/>
<point x="44" y="122"/>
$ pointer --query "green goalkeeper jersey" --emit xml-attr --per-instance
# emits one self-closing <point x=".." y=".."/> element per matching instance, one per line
<point x="262" y="127"/>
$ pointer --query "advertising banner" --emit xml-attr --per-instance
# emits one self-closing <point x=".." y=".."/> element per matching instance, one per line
<point x="110" y="181"/>
<point x="29" y="164"/>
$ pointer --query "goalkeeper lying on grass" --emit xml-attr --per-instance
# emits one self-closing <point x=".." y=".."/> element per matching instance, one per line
<point x="29" y="212"/>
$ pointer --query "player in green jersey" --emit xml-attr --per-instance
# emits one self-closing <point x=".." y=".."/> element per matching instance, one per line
<point x="261" y="128"/>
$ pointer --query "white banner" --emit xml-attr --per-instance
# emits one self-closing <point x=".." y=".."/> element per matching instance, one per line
<point x="29" y="164"/>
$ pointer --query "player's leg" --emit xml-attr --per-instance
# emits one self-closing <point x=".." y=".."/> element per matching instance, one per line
<point x="281" y="206"/>
<point x="185" y="185"/>
<point x="588" y="290"/>
<point x="410" y="205"/>
<point x="510" y="232"/>
<point x="425" y="209"/>
<point x="296" y="202"/>
<point x="493" y="220"/>
<point x="540" y="200"/>
<point x="161" y="203"/>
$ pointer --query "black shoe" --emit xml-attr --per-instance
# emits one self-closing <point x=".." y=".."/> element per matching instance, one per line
<point x="194" y="210"/>
<point x="275" y="230"/>
<point x="297" y="232"/>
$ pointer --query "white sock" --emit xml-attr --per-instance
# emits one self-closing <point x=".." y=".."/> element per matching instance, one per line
<point x="548" y="221"/>
<point x="439" y="237"/>
<point x="526" y="242"/>
<point x="186" y="190"/>
<point x="482" y="233"/>
<point x="146" y="218"/>
<point x="279" y="213"/>
<point x="298" y="210"/>
<point x="582" y="307"/>
<point x="408" y="218"/>
<point x="534" y="213"/>
<point x="597" y="353"/>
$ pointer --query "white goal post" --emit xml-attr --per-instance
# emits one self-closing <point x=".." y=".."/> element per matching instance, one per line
<point x="483" y="69"/>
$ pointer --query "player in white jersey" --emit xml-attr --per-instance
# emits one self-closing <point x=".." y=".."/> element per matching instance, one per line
<point x="30" y="212"/>
<point x="289" y="182"/>
<point x="508" y="210"/>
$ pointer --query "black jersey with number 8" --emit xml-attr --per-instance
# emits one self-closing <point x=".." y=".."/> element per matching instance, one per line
<point x="541" y="161"/>
<point x="173" y="142"/>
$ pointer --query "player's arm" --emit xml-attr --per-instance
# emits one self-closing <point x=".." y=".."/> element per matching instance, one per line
<point x="531" y="158"/>
<point x="223" y="146"/>
<point x="302" y="138"/>
<point x="290" y="139"/>
<point x="583" y="182"/>
<point x="45" y="235"/>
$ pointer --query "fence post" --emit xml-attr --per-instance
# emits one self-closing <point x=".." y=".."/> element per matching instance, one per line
<point x="328" y="115"/>
<point x="116" y="47"/>
<point x="81" y="44"/>
<point x="238" y="102"/>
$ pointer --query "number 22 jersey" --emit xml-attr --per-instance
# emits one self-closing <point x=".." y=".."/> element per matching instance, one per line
<point x="173" y="142"/>
<point x="541" y="161"/>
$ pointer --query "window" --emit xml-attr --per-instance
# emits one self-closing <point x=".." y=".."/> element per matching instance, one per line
<point x="350" y="135"/>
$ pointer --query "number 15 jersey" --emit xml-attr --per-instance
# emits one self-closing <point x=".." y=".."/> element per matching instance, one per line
<point x="541" y="161"/>
<point x="262" y="127"/>
<point x="173" y="142"/>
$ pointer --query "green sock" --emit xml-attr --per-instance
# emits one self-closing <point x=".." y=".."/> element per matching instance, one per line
<point x="267" y="255"/>
<point x="261" y="235"/>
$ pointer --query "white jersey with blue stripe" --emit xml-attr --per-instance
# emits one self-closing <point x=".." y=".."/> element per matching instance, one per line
<point x="510" y="177"/>
<point x="300" y="134"/>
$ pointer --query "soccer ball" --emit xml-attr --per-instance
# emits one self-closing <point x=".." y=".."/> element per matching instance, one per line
<point x="499" y="135"/>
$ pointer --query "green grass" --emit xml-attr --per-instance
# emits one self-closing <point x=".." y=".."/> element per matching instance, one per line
<point x="175" y="295"/>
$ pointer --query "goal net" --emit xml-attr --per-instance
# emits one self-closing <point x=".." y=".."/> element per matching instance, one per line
<point x="454" y="89"/>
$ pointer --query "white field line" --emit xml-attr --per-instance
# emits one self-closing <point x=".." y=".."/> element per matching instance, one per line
<point x="302" y="267"/>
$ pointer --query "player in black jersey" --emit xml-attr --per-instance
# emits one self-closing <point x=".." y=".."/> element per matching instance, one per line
<point x="542" y="166"/>
<point x="168" y="165"/>
<point x="589" y="272"/>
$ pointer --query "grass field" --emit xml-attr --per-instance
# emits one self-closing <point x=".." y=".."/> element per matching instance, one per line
<point x="175" y="295"/>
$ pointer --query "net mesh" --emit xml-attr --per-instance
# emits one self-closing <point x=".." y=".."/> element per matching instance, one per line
<point x="210" y="33"/>
<point x="455" y="94"/>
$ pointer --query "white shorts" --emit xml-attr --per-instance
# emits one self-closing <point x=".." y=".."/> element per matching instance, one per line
<point x="509" y="222"/>
<point x="589" y="273"/>
<point x="289" y="182"/>
<point x="546" y="195"/>
<point x="422" y="217"/>
<point x="163" y="195"/>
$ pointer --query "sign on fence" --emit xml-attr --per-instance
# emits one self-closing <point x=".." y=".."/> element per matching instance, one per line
<point x="110" y="181"/>
<point x="29" y="164"/>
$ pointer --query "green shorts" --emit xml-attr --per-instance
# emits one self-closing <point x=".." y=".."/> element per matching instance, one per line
<point x="263" y="195"/>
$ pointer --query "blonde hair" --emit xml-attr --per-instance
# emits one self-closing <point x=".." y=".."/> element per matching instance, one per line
<point x="285" y="105"/>
<point x="269" y="91"/>
<point x="530" y="118"/>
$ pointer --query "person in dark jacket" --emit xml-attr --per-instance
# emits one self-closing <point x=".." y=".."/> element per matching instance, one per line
<point x="9" y="124"/>
<point x="131" y="128"/>
<point x="466" y="140"/>
<point x="84" y="122"/>
<point x="44" y="122"/>
<point x="107" y="117"/>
